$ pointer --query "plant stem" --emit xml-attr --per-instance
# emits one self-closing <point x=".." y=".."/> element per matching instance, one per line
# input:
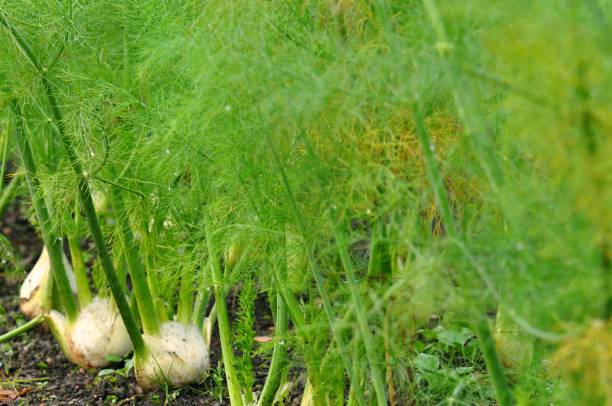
<point x="278" y="365"/>
<point x="144" y="298"/>
<point x="225" y="334"/>
<point x="22" y="329"/>
<point x="356" y="378"/>
<point x="289" y="299"/>
<point x="307" y="395"/>
<point x="379" y="263"/>
<point x="434" y="175"/>
<point x="200" y="306"/>
<point x="158" y="304"/>
<point x="208" y="325"/>
<point x="52" y="242"/>
<point x="362" y="322"/>
<point x="94" y="226"/>
<point x="84" y="195"/>
<point x="487" y="346"/>
<point x="185" y="300"/>
<point x="3" y="161"/>
<point x="464" y="100"/>
<point x="8" y="193"/>
<point x="482" y="329"/>
<point x="80" y="271"/>
<point x="314" y="268"/>
<point x="474" y="126"/>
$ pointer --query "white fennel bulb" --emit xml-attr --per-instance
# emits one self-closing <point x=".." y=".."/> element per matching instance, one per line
<point x="97" y="332"/>
<point x="33" y="293"/>
<point x="177" y="355"/>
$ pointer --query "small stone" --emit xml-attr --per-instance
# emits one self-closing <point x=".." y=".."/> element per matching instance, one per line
<point x="136" y="389"/>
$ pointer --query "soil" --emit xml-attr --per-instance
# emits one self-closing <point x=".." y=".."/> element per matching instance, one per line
<point x="35" y="371"/>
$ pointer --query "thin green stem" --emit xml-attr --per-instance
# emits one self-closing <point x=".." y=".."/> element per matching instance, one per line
<point x="80" y="271"/>
<point x="52" y="242"/>
<point x="362" y="321"/>
<point x="278" y="365"/>
<point x="434" y="175"/>
<point x="148" y="316"/>
<point x="21" y="43"/>
<point x="158" y="304"/>
<point x="308" y="394"/>
<point x="482" y="329"/>
<point x="209" y="324"/>
<point x="118" y="185"/>
<point x="3" y="161"/>
<point x="22" y="329"/>
<point x="201" y="304"/>
<point x="356" y="379"/>
<point x="487" y="346"/>
<point x="466" y="106"/>
<point x="8" y="193"/>
<point x="464" y="100"/>
<point x="313" y="265"/>
<point x="290" y="301"/>
<point x="185" y="299"/>
<point x="379" y="263"/>
<point x="233" y="385"/>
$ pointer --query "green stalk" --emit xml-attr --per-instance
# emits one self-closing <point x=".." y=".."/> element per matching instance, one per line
<point x="121" y="266"/>
<point x="466" y="106"/>
<point x="144" y="298"/>
<point x="84" y="195"/>
<point x="225" y="334"/>
<point x="290" y="301"/>
<point x="22" y="329"/>
<point x="51" y="298"/>
<point x="278" y="365"/>
<point x="356" y="378"/>
<point x="307" y="395"/>
<point x="379" y="264"/>
<point x="3" y="160"/>
<point x="286" y="295"/>
<point x="314" y="268"/>
<point x="185" y="300"/>
<point x="53" y="243"/>
<point x="434" y="175"/>
<point x="362" y="322"/>
<point x="292" y="306"/>
<point x="487" y="346"/>
<point x="7" y="195"/>
<point x="158" y="303"/>
<point x="134" y="308"/>
<point x="94" y="226"/>
<point x="482" y="328"/>
<point x="464" y="100"/>
<point x="209" y="324"/>
<point x="201" y="304"/>
<point x="80" y="271"/>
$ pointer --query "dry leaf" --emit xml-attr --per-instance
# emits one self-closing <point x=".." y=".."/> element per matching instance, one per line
<point x="11" y="394"/>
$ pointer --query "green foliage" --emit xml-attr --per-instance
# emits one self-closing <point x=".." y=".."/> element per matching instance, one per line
<point x="182" y="105"/>
<point x="9" y="258"/>
<point x="244" y="334"/>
